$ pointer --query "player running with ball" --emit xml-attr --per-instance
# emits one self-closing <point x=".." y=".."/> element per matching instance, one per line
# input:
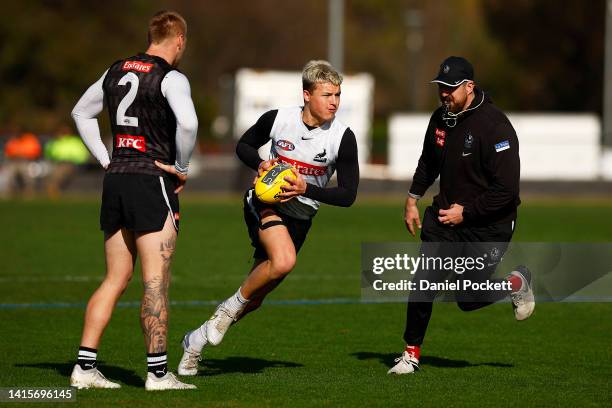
<point x="316" y="143"/>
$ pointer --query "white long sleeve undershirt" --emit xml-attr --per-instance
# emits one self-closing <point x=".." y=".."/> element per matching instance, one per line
<point x="175" y="88"/>
<point x="84" y="115"/>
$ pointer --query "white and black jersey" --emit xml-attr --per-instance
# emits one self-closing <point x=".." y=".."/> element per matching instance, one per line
<point x="142" y="122"/>
<point x="315" y="152"/>
<point x="152" y="118"/>
<point x="151" y="113"/>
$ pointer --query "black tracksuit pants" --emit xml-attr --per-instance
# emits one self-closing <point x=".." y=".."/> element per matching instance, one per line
<point x="444" y="241"/>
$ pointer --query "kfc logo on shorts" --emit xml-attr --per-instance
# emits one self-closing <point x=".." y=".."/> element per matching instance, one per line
<point x="137" y="66"/>
<point x="440" y="136"/>
<point x="131" y="142"/>
<point x="285" y="145"/>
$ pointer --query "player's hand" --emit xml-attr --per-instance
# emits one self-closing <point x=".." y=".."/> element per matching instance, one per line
<point x="182" y="178"/>
<point x="452" y="216"/>
<point x="263" y="167"/>
<point x="411" y="215"/>
<point x="296" y="187"/>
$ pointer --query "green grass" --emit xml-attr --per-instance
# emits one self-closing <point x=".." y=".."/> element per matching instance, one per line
<point x="297" y="355"/>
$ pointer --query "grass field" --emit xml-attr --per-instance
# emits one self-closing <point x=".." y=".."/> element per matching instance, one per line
<point x="295" y="352"/>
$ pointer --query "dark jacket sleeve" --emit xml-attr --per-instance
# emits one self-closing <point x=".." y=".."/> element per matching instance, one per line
<point x="347" y="168"/>
<point x="257" y="136"/>
<point x="503" y="169"/>
<point x="428" y="168"/>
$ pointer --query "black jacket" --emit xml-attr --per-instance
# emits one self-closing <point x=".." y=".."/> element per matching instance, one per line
<point x="477" y="161"/>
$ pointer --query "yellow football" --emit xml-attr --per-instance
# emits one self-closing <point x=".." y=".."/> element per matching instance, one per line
<point x="269" y="185"/>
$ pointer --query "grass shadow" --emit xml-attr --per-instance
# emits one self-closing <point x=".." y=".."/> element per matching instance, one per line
<point x="113" y="373"/>
<point x="388" y="359"/>
<point x="245" y="365"/>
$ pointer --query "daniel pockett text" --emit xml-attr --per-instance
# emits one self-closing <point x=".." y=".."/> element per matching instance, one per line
<point x="409" y="265"/>
<point x="477" y="271"/>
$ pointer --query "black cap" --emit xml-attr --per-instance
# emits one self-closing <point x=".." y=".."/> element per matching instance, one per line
<point x="454" y="71"/>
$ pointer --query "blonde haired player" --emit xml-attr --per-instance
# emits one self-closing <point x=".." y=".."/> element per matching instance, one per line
<point x="316" y="144"/>
<point x="154" y="123"/>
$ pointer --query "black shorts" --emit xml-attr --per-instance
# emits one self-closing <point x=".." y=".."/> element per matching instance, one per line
<point x="138" y="202"/>
<point x="253" y="208"/>
<point x="462" y="241"/>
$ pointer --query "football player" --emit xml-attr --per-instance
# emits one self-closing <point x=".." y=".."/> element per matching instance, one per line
<point x="316" y="144"/>
<point x="154" y="123"/>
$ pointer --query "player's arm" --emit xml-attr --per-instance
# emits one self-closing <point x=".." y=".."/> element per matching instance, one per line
<point x="427" y="169"/>
<point x="347" y="169"/>
<point x="255" y="137"/>
<point x="502" y="164"/>
<point x="84" y="115"/>
<point x="426" y="173"/>
<point x="175" y="88"/>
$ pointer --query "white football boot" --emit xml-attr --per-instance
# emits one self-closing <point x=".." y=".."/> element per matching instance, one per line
<point x="523" y="301"/>
<point x="218" y="324"/>
<point x="167" y="382"/>
<point x="406" y="364"/>
<point x="93" y="378"/>
<point x="191" y="357"/>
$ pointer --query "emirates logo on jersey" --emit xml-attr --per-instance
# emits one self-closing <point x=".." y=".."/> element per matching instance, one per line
<point x="131" y="142"/>
<point x="305" y="169"/>
<point x="137" y="66"/>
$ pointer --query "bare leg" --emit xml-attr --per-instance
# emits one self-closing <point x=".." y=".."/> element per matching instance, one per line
<point x="120" y="255"/>
<point x="263" y="278"/>
<point x="267" y="274"/>
<point x="256" y="301"/>
<point x="156" y="250"/>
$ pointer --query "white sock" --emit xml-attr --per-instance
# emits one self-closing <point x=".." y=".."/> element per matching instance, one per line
<point x="235" y="303"/>
<point x="197" y="339"/>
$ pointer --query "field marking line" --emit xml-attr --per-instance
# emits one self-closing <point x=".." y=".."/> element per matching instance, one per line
<point x="134" y="304"/>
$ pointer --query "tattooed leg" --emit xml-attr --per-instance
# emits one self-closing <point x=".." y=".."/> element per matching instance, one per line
<point x="156" y="250"/>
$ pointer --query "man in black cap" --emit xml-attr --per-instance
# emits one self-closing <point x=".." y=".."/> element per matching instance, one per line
<point x="471" y="145"/>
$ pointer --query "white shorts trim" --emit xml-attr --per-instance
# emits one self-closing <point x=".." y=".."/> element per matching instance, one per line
<point x="163" y="188"/>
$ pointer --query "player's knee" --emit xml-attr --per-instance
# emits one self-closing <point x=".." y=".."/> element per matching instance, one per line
<point x="281" y="265"/>
<point x="119" y="283"/>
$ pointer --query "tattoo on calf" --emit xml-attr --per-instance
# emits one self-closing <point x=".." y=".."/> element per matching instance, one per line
<point x="154" y="314"/>
<point x="154" y="309"/>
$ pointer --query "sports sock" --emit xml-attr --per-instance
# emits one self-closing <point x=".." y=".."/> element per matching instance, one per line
<point x="235" y="303"/>
<point x="86" y="358"/>
<point x="197" y="339"/>
<point x="157" y="363"/>
<point x="516" y="282"/>
<point x="415" y="351"/>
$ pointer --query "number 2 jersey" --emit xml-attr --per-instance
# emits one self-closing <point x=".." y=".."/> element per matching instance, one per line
<point x="315" y="152"/>
<point x="151" y="113"/>
<point x="142" y="122"/>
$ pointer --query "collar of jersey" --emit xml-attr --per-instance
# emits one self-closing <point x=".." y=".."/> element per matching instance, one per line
<point x="312" y="133"/>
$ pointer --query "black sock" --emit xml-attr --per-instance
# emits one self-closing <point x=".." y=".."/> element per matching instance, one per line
<point x="87" y="358"/>
<point x="157" y="363"/>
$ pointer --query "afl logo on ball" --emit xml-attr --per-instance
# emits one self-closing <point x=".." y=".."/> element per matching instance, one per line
<point x="285" y="145"/>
